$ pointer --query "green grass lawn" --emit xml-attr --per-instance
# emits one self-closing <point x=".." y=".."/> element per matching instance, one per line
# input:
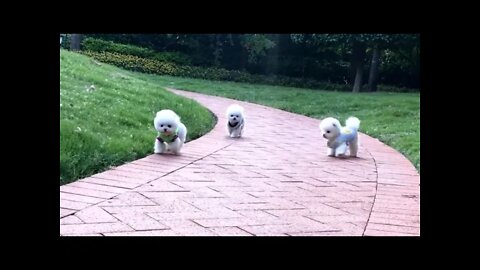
<point x="113" y="124"/>
<point x="393" y="118"/>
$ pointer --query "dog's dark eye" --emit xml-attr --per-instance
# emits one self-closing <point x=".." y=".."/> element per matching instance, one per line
<point x="231" y="115"/>
<point x="328" y="131"/>
<point x="161" y="125"/>
<point x="169" y="126"/>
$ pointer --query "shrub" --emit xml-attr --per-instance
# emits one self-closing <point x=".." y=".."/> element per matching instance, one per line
<point x="174" y="57"/>
<point x="66" y="41"/>
<point x="135" y="63"/>
<point x="98" y="45"/>
<point x="390" y="88"/>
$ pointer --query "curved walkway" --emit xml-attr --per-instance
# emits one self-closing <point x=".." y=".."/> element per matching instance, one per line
<point x="268" y="183"/>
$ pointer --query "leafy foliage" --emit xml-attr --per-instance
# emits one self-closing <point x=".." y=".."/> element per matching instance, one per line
<point x="319" y="56"/>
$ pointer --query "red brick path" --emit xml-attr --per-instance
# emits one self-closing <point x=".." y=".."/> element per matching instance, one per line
<point x="268" y="183"/>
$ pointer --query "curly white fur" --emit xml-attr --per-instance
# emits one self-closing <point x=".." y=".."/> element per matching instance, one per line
<point x="340" y="137"/>
<point x="166" y="122"/>
<point x="236" y="120"/>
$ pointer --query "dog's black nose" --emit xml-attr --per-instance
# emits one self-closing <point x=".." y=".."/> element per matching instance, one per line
<point x="165" y="129"/>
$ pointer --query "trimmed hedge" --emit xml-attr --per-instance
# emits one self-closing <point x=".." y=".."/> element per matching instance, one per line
<point x="98" y="45"/>
<point x="175" y="57"/>
<point x="145" y="65"/>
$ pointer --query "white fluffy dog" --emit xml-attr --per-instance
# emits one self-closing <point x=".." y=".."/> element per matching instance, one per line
<point x="171" y="132"/>
<point x="236" y="120"/>
<point x="340" y="137"/>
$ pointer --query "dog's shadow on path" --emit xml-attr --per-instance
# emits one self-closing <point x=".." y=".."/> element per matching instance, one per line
<point x="238" y="139"/>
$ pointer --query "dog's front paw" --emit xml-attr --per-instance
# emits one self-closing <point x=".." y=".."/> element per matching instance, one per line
<point x="159" y="147"/>
<point x="158" y="150"/>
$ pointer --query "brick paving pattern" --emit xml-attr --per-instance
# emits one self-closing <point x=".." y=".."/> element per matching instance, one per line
<point x="271" y="182"/>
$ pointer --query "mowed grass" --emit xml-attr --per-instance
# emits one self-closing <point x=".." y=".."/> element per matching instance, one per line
<point x="393" y="118"/>
<point x="113" y="124"/>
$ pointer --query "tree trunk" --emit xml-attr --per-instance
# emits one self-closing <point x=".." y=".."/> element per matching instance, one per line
<point x="271" y="65"/>
<point x="358" y="59"/>
<point x="304" y="51"/>
<point x="243" y="58"/>
<point x="243" y="52"/>
<point x="75" y="42"/>
<point x="358" y="78"/>
<point x="373" y="76"/>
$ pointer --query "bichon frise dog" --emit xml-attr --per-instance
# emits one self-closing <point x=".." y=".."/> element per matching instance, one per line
<point x="236" y="120"/>
<point x="340" y="137"/>
<point x="171" y="132"/>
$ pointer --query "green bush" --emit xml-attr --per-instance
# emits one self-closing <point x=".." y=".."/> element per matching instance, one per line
<point x="390" y="88"/>
<point x="99" y="45"/>
<point x="146" y="65"/>
<point x="173" y="57"/>
<point x="66" y="41"/>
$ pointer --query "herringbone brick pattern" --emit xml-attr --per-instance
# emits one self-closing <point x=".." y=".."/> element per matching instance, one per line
<point x="272" y="182"/>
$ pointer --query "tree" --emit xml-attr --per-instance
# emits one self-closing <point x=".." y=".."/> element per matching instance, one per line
<point x="374" y="64"/>
<point x="75" y="43"/>
<point x="356" y="45"/>
<point x="358" y="60"/>
<point x="381" y="42"/>
<point x="390" y="58"/>
<point x="256" y="45"/>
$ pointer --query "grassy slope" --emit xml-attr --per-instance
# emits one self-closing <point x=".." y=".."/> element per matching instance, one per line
<point x="393" y="118"/>
<point x="114" y="123"/>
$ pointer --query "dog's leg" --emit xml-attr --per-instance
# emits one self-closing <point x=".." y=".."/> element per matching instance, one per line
<point x="341" y="149"/>
<point x="234" y="133"/>
<point x="176" y="146"/>
<point x="354" y="148"/>
<point x="159" y="147"/>
<point x="240" y="130"/>
<point x="230" y="131"/>
<point x="237" y="133"/>
<point x="330" y="152"/>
